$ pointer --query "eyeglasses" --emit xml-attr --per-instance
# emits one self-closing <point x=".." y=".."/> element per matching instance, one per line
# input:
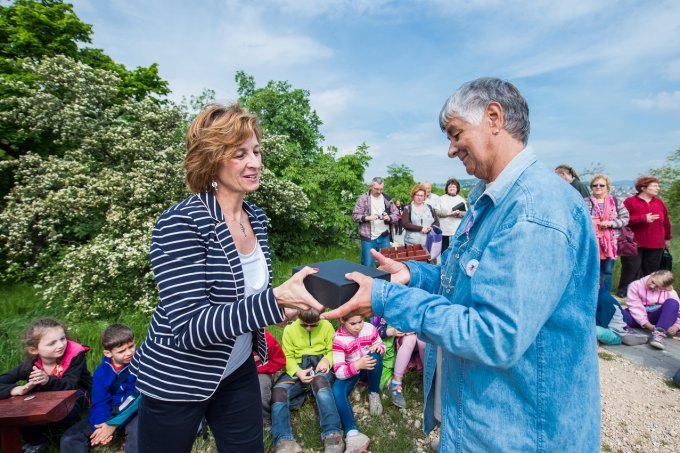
<point x="598" y="185"/>
<point x="304" y="324"/>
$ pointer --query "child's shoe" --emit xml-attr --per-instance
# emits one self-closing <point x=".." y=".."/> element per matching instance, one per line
<point x="374" y="404"/>
<point x="658" y="335"/>
<point x="287" y="446"/>
<point x="397" y="395"/>
<point x="333" y="444"/>
<point x="357" y="443"/>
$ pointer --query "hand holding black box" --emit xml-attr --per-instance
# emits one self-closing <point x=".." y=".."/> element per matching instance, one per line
<point x="329" y="285"/>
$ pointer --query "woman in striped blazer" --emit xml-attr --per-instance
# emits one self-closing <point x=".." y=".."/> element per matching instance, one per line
<point x="212" y="264"/>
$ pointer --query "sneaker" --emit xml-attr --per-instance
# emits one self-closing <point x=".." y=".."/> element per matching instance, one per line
<point x="333" y="444"/>
<point x="632" y="339"/>
<point x="397" y="396"/>
<point x="434" y="445"/>
<point x="287" y="446"/>
<point x="374" y="404"/>
<point x="658" y="336"/>
<point x="357" y="443"/>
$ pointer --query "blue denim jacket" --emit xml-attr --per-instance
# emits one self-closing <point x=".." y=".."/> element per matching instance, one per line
<point x="519" y="367"/>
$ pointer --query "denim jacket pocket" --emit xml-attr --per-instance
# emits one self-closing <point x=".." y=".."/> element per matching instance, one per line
<point x="468" y="262"/>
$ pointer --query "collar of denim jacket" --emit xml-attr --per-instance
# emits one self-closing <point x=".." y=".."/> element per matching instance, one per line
<point x="505" y="180"/>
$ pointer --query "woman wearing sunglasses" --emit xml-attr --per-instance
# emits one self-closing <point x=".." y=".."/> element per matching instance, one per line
<point x="609" y="215"/>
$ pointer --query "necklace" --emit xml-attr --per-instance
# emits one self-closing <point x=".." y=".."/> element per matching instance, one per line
<point x="243" y="228"/>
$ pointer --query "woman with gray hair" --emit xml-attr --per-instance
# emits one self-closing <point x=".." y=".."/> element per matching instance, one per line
<point x="510" y="310"/>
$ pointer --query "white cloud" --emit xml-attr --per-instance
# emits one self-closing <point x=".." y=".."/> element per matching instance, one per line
<point x="331" y="103"/>
<point x="661" y="101"/>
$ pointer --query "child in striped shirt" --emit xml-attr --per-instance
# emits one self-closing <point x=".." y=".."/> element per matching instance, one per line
<point x="357" y="353"/>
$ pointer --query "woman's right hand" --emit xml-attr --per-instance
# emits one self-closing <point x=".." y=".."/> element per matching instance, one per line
<point x="399" y="272"/>
<point x="292" y="293"/>
<point x="652" y="217"/>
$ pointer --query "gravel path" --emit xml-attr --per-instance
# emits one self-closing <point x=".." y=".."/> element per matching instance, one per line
<point x="640" y="407"/>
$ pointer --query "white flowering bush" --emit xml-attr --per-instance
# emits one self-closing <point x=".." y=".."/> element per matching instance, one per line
<point x="79" y="222"/>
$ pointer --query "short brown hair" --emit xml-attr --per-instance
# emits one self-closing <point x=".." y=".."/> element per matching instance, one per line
<point x="310" y="316"/>
<point x="453" y="181"/>
<point x="644" y="181"/>
<point x="214" y="135"/>
<point x="417" y="188"/>
<point x="116" y="335"/>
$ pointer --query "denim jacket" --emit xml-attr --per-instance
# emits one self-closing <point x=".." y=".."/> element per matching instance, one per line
<point x="515" y="324"/>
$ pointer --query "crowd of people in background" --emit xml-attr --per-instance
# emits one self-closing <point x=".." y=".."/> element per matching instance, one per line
<point x="651" y="303"/>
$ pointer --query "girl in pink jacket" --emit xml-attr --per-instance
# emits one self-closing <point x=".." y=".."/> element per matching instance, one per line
<point x="653" y="304"/>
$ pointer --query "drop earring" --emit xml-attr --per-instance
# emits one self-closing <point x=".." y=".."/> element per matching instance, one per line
<point x="213" y="184"/>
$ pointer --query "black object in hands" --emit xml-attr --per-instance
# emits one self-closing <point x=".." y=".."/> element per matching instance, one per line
<point x="459" y="207"/>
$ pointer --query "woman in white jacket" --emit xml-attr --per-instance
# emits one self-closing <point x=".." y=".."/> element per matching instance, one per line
<point x="452" y="208"/>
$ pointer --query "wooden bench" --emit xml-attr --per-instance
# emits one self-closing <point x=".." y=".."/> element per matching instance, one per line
<point x="406" y="253"/>
<point x="33" y="409"/>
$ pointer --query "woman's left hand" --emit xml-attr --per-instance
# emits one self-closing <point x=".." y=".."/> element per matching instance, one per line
<point x="668" y="243"/>
<point x="426" y="229"/>
<point x="292" y="293"/>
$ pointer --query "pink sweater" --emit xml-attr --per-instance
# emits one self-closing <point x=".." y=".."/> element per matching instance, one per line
<point x="639" y="297"/>
<point x="347" y="349"/>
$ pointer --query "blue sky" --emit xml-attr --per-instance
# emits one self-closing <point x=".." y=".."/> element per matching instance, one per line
<point x="602" y="78"/>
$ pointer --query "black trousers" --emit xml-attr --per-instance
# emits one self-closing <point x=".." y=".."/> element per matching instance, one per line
<point x="233" y="412"/>
<point x="636" y="267"/>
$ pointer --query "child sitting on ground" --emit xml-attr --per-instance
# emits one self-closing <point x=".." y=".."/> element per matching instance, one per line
<point x="267" y="372"/>
<point x="113" y="396"/>
<point x="54" y="363"/>
<point x="308" y="346"/>
<point x="357" y="353"/>
<point x="654" y="305"/>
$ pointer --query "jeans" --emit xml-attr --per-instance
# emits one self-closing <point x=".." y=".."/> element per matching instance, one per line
<point x="233" y="412"/>
<point x="606" y="267"/>
<point x="328" y="413"/>
<point x="378" y="243"/>
<point x="77" y="438"/>
<point x="343" y="387"/>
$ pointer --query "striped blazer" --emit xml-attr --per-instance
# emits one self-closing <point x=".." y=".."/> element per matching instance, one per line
<point x="202" y="307"/>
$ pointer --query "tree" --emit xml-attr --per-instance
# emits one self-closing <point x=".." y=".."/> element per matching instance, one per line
<point x="79" y="223"/>
<point x="330" y="183"/>
<point x="399" y="182"/>
<point x="31" y="30"/>
<point x="669" y="179"/>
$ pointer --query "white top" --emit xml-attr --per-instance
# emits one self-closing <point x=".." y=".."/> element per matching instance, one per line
<point x="449" y="224"/>
<point x="256" y="279"/>
<point x="379" y="226"/>
<point x="433" y="200"/>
